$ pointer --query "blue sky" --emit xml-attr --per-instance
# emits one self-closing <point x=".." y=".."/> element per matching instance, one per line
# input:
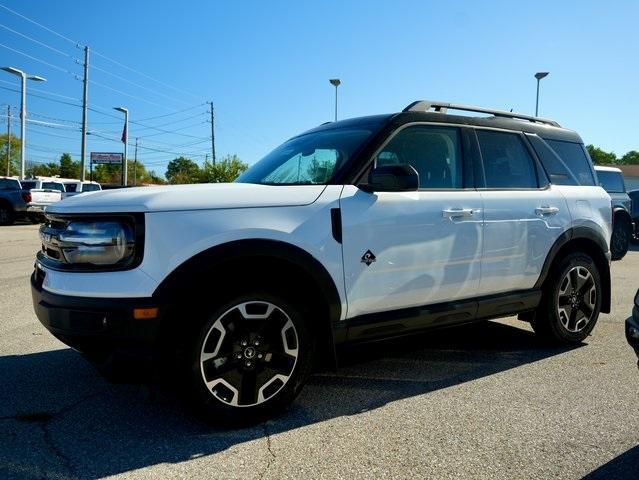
<point x="266" y="66"/>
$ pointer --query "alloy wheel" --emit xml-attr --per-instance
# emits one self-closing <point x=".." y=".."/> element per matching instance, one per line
<point x="576" y="299"/>
<point x="249" y="354"/>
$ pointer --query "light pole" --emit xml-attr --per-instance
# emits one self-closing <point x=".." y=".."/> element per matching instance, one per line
<point x="336" y="83"/>
<point x="539" y="76"/>
<point x="125" y="139"/>
<point x="23" y="111"/>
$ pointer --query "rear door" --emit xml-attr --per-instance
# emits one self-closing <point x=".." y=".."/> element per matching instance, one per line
<point x="523" y="213"/>
<point x="407" y="249"/>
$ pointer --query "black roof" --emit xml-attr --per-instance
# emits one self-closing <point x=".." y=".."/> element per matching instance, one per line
<point x="544" y="130"/>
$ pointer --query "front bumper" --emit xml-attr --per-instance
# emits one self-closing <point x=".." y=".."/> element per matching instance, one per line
<point x="103" y="329"/>
<point x="632" y="328"/>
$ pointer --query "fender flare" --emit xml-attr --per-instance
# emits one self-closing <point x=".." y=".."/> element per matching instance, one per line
<point x="588" y="233"/>
<point x="623" y="212"/>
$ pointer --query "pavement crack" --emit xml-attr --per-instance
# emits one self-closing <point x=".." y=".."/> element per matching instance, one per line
<point x="269" y="447"/>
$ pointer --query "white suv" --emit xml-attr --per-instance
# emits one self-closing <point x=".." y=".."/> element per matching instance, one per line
<point x="356" y="230"/>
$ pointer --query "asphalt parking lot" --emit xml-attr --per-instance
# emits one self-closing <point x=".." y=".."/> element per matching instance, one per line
<point x="486" y="401"/>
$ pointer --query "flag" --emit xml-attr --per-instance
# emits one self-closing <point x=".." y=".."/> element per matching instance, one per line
<point x="124" y="134"/>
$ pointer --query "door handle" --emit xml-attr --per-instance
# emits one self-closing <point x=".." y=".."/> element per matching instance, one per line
<point x="546" y="210"/>
<point x="458" y="212"/>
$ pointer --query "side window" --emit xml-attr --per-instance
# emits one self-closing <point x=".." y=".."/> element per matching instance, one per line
<point x="612" y="182"/>
<point x="435" y="152"/>
<point x="575" y="159"/>
<point x="507" y="162"/>
<point x="90" y="187"/>
<point x="558" y="171"/>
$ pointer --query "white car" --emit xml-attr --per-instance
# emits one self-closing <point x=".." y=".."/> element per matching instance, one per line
<point x="353" y="231"/>
<point x="39" y="194"/>
<point x="73" y="188"/>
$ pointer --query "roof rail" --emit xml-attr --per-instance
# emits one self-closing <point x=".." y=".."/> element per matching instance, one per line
<point x="442" y="107"/>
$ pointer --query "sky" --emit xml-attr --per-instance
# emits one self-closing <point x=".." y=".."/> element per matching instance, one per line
<point x="266" y="65"/>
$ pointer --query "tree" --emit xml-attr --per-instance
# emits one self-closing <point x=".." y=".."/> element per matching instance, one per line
<point x="601" y="157"/>
<point x="223" y="171"/>
<point x="69" y="168"/>
<point x="183" y="170"/>
<point x="630" y="158"/>
<point x="15" y="155"/>
<point x="43" y="170"/>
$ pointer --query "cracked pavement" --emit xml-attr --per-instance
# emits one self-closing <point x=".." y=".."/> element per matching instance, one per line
<point x="484" y="401"/>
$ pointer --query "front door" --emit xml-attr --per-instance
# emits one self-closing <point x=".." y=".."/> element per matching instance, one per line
<point x="408" y="249"/>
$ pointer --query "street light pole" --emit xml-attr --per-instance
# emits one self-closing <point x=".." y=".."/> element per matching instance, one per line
<point x="125" y="137"/>
<point x="539" y="76"/>
<point x="8" y="140"/>
<point x="135" y="164"/>
<point x="23" y="112"/>
<point x="336" y="83"/>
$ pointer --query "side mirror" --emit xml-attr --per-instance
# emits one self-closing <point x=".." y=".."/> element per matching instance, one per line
<point x="393" y="178"/>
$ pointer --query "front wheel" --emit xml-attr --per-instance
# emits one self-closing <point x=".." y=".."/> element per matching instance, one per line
<point x="571" y="301"/>
<point x="250" y="359"/>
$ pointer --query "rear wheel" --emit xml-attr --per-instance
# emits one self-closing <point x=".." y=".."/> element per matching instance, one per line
<point x="6" y="214"/>
<point x="250" y="359"/>
<point x="571" y="301"/>
<point x="620" y="241"/>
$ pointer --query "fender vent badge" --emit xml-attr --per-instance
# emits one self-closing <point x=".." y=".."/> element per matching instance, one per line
<point x="368" y="258"/>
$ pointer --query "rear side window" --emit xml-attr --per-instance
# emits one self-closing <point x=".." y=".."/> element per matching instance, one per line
<point x="507" y="161"/>
<point x="90" y="187"/>
<point x="28" y="185"/>
<point x="611" y="182"/>
<point x="574" y="156"/>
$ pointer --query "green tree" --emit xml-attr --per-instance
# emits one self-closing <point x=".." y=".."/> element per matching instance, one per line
<point x="14" y="166"/>
<point x="630" y="158"/>
<point x="43" y="170"/>
<point x="601" y="157"/>
<point x="183" y="170"/>
<point x="223" y="171"/>
<point x="69" y="168"/>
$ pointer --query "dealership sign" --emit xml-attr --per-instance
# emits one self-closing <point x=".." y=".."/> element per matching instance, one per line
<point x="103" y="157"/>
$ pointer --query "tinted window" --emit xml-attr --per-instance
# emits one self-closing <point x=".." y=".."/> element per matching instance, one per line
<point x="71" y="187"/>
<point x="555" y="167"/>
<point x="90" y="187"/>
<point x="9" y="184"/>
<point x="53" y="186"/>
<point x="507" y="162"/>
<point x="435" y="153"/>
<point x="575" y="159"/>
<point x="28" y="185"/>
<point x="611" y="181"/>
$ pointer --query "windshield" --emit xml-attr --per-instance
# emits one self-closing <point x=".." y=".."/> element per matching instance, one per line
<point x="310" y="159"/>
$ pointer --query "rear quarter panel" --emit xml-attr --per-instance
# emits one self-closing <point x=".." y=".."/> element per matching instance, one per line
<point x="589" y="207"/>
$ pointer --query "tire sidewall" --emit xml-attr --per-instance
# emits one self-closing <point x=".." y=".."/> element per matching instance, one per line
<point x="216" y="410"/>
<point x="557" y="328"/>
<point x="620" y="233"/>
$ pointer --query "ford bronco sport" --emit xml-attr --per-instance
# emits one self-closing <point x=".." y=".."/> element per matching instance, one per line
<point x="356" y="230"/>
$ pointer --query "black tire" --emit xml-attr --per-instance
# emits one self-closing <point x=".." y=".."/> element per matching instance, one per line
<point x="35" y="219"/>
<point x="554" y="321"/>
<point x="249" y="349"/>
<point x="7" y="216"/>
<point x="620" y="241"/>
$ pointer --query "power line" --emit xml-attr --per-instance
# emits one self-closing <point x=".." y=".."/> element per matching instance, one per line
<point x="40" y="25"/>
<point x="50" y="65"/>
<point x="46" y="45"/>
<point x="126" y="94"/>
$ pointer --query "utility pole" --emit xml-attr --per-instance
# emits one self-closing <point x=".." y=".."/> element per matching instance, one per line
<point x="85" y="98"/>
<point x="212" y="133"/>
<point x="135" y="164"/>
<point x="8" y="140"/>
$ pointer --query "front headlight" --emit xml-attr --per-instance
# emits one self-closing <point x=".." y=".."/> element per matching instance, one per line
<point x="84" y="243"/>
<point x="97" y="243"/>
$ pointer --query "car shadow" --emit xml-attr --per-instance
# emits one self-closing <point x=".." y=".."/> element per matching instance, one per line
<point x="97" y="429"/>
<point x="623" y="467"/>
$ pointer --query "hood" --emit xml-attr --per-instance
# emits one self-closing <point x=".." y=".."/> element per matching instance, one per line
<point x="204" y="196"/>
